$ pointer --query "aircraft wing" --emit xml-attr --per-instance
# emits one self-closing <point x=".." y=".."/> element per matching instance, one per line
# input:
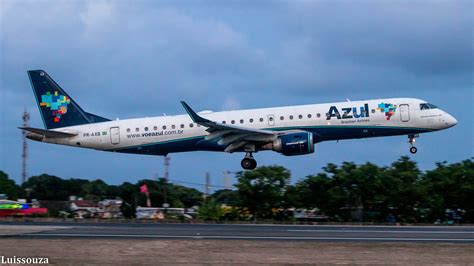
<point x="233" y="137"/>
<point x="48" y="133"/>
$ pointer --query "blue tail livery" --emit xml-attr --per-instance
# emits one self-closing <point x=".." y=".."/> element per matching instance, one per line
<point x="57" y="108"/>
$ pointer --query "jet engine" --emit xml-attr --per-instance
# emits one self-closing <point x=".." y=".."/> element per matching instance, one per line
<point x="297" y="143"/>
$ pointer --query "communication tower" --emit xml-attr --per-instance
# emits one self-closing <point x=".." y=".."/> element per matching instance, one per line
<point x="24" y="155"/>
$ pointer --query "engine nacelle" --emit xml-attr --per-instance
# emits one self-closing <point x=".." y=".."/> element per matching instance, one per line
<point x="290" y="144"/>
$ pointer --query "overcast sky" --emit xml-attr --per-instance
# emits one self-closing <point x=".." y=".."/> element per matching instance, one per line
<point x="127" y="59"/>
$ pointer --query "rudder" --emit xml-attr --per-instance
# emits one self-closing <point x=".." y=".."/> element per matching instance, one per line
<point x="57" y="108"/>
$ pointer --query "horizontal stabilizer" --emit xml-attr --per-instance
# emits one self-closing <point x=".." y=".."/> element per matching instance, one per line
<point x="48" y="133"/>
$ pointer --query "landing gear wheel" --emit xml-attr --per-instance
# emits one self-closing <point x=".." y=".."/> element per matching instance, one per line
<point x="411" y="141"/>
<point x="254" y="164"/>
<point x="248" y="163"/>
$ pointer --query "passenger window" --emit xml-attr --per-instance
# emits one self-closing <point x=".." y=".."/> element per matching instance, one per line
<point x="146" y="128"/>
<point x="270" y="118"/>
<point x="155" y="128"/>
<point x="261" y="119"/>
<point x="223" y="122"/>
<point x="182" y="126"/>
<point x="173" y="126"/>
<point x="291" y="117"/>
<point x="309" y="115"/>
<point x="137" y="129"/>
<point x="373" y="111"/>
<point x="128" y="129"/>
<point x="282" y="118"/>
<point x="251" y="120"/>
<point x="300" y="116"/>
<point x="232" y="122"/>
<point x="191" y="125"/>
<point x="164" y="127"/>
<point x="318" y="115"/>
<point x="241" y="121"/>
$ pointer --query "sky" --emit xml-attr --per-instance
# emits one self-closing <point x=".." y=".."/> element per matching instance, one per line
<point x="128" y="59"/>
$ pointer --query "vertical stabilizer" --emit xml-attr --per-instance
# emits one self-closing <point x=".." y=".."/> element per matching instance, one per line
<point x="57" y="108"/>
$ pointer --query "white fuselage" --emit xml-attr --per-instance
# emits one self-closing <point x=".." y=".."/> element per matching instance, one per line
<point x="329" y="121"/>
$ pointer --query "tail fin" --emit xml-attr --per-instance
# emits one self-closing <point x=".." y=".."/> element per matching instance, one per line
<point x="56" y="107"/>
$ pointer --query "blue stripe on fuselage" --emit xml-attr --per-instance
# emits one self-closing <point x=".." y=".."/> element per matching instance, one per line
<point x="320" y="133"/>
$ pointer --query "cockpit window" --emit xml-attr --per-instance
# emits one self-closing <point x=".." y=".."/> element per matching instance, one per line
<point x="426" y="106"/>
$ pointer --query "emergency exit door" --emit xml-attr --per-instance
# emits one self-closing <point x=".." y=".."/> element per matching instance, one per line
<point x="115" y="135"/>
<point x="404" y="112"/>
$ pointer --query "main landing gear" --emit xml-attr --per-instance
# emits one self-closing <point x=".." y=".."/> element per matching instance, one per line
<point x="411" y="140"/>
<point x="248" y="163"/>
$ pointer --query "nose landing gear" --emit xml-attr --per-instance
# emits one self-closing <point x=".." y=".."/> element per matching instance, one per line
<point x="248" y="163"/>
<point x="411" y="140"/>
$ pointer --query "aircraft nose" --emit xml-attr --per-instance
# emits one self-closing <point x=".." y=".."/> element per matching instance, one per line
<point x="450" y="120"/>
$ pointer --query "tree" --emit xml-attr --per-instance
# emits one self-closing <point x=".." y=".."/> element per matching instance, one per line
<point x="8" y="187"/>
<point x="210" y="211"/>
<point x="95" y="190"/>
<point x="263" y="189"/>
<point x="449" y="187"/>
<point x="311" y="192"/>
<point x="404" y="194"/>
<point x="226" y="196"/>
<point x="47" y="187"/>
<point x="75" y="187"/>
<point x="161" y="191"/>
<point x="128" y="193"/>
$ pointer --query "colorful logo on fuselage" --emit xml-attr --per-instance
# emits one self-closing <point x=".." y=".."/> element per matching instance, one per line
<point x="57" y="103"/>
<point x="387" y="108"/>
<point x="348" y="112"/>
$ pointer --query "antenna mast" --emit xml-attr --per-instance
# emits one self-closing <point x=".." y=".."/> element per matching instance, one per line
<point x="24" y="155"/>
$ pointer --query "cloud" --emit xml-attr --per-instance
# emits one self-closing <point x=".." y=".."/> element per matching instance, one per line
<point x="130" y="50"/>
<point x="373" y="44"/>
<point x="231" y="104"/>
<point x="134" y="59"/>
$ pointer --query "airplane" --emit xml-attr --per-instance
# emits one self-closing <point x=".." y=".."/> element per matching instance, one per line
<point x="289" y="130"/>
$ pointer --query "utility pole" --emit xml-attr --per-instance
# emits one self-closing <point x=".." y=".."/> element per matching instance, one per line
<point x="226" y="179"/>
<point x="208" y="185"/>
<point x="167" y="165"/>
<point x="167" y="176"/>
<point x="24" y="155"/>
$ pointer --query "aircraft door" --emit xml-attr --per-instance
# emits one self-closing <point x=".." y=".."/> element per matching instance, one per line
<point x="404" y="112"/>
<point x="271" y="120"/>
<point x="115" y="135"/>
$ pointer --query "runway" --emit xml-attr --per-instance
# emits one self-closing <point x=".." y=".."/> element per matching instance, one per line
<point x="429" y="234"/>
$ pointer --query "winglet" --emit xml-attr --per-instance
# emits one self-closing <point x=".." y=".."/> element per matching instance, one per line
<point x="194" y="116"/>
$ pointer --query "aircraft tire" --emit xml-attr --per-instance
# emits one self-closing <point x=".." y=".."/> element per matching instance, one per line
<point x="248" y="163"/>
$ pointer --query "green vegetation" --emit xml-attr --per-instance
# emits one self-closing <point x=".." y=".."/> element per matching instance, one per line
<point x="349" y="192"/>
<point x="210" y="211"/>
